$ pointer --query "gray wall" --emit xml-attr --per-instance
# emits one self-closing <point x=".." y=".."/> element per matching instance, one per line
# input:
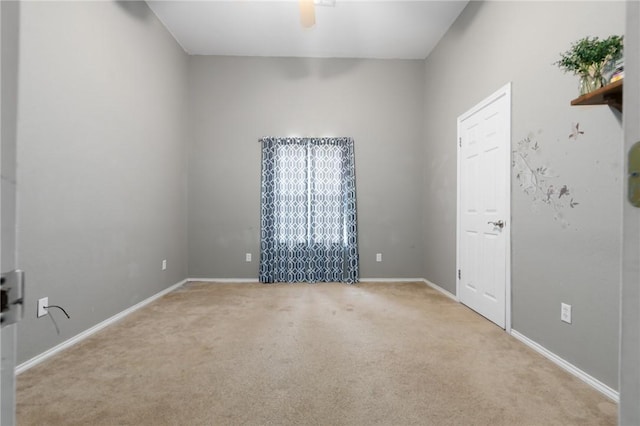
<point x="235" y="101"/>
<point x="630" y="314"/>
<point x="559" y="253"/>
<point x="101" y="163"/>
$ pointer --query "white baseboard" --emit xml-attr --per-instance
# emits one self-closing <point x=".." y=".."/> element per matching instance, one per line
<point x="81" y="336"/>
<point x="389" y="280"/>
<point x="588" y="379"/>
<point x="440" y="289"/>
<point x="255" y="280"/>
<point x="222" y="280"/>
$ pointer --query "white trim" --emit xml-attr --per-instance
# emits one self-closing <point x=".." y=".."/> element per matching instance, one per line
<point x="458" y="204"/>
<point x="222" y="280"/>
<point x="390" y="280"/>
<point x="566" y="365"/>
<point x="255" y="280"/>
<point x="507" y="296"/>
<point x="361" y="280"/>
<point x="504" y="91"/>
<point x="441" y="290"/>
<point x="83" y="335"/>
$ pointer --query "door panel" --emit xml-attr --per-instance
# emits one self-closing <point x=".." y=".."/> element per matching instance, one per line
<point x="472" y="248"/>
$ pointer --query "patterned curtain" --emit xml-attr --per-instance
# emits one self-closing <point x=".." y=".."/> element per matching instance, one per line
<point x="308" y="212"/>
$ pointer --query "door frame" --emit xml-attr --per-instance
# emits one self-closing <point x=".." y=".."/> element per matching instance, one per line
<point x="9" y="39"/>
<point x="629" y="349"/>
<point x="504" y="91"/>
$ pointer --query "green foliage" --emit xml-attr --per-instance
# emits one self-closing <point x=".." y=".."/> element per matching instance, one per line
<point x="589" y="53"/>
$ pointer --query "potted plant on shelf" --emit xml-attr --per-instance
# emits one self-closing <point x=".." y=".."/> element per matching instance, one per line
<point x="587" y="58"/>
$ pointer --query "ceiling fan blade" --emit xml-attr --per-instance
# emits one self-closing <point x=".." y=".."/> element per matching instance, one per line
<point x="307" y="13"/>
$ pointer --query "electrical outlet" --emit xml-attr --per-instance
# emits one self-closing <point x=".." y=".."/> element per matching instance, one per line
<point x="565" y="312"/>
<point x="378" y="257"/>
<point x="164" y="265"/>
<point x="247" y="257"/>
<point x="42" y="311"/>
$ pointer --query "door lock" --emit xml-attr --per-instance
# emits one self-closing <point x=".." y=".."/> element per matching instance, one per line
<point x="498" y="224"/>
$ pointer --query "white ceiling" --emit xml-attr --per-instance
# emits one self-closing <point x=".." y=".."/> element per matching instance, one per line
<point x="350" y="29"/>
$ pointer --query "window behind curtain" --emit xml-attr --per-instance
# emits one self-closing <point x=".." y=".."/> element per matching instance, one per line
<point x="306" y="173"/>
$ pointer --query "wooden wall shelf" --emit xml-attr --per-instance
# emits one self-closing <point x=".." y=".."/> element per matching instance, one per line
<point x="611" y="95"/>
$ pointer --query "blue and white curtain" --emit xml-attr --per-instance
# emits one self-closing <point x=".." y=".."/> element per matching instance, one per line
<point x="308" y="211"/>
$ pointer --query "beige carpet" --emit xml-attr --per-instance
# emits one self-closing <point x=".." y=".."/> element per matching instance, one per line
<point x="323" y="354"/>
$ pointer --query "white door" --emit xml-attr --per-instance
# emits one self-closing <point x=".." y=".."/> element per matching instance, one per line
<point x="12" y="294"/>
<point x="484" y="134"/>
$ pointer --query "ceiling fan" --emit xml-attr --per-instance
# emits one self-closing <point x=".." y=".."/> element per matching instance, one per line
<point x="308" y="12"/>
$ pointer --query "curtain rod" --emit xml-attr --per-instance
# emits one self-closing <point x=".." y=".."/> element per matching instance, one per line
<point x="303" y="137"/>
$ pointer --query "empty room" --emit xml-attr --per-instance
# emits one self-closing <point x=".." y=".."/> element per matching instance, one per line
<point x="327" y="212"/>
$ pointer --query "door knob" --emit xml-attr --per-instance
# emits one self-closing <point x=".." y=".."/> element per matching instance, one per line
<point x="498" y="224"/>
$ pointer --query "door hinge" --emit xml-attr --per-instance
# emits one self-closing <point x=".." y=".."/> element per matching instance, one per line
<point x="11" y="297"/>
<point x="460" y="142"/>
<point x="459" y="274"/>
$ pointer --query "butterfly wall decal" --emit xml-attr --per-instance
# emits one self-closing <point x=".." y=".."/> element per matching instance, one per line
<point x="575" y="131"/>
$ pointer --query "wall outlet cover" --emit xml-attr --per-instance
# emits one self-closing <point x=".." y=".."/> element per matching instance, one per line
<point x="378" y="257"/>
<point x="247" y="257"/>
<point x="565" y="313"/>
<point x="164" y="265"/>
<point x="42" y="311"/>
